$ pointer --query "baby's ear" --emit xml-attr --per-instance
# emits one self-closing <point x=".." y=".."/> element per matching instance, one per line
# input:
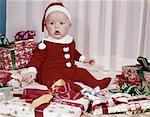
<point x="70" y="24"/>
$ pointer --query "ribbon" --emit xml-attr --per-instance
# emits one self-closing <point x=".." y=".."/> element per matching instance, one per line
<point x="144" y="63"/>
<point x="120" y="98"/>
<point x="91" y="93"/>
<point x="4" y="41"/>
<point x="13" y="59"/>
<point x="24" y="35"/>
<point x="63" y="92"/>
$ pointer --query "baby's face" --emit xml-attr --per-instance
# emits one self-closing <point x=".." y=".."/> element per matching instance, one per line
<point x="57" y="24"/>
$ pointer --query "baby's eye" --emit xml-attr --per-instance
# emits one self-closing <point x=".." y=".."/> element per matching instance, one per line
<point x="61" y="23"/>
<point x="51" y="23"/>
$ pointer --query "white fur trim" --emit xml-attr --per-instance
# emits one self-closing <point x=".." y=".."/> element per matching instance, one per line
<point x="65" y="40"/>
<point x="32" y="69"/>
<point x="58" y="8"/>
<point x="66" y="49"/>
<point x="68" y="64"/>
<point x="67" y="56"/>
<point x="82" y="58"/>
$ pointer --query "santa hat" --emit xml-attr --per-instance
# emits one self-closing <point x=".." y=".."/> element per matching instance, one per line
<point x="57" y="6"/>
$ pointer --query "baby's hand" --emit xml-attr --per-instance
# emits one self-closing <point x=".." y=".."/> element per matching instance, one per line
<point x="28" y="78"/>
<point x="90" y="61"/>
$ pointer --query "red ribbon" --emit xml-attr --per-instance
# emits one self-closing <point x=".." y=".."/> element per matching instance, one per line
<point x="104" y="105"/>
<point x="63" y="92"/>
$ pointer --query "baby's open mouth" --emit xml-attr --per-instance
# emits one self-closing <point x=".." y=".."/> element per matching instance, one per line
<point x="57" y="33"/>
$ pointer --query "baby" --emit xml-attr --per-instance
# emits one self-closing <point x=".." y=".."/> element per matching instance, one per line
<point x="55" y="56"/>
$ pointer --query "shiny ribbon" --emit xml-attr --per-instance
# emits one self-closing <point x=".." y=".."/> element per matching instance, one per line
<point x="91" y="93"/>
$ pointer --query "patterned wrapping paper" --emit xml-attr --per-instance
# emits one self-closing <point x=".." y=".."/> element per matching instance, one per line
<point x="16" y="57"/>
<point x="120" y="104"/>
<point x="134" y="80"/>
<point x="130" y="71"/>
<point x="18" y="107"/>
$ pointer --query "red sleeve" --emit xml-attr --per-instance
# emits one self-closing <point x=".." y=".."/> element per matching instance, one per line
<point x="37" y="58"/>
<point x="77" y="55"/>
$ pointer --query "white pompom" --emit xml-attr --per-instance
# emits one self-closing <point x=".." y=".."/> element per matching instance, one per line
<point x="42" y="46"/>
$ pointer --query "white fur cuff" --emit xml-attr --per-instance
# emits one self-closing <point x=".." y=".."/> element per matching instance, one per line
<point x="32" y="69"/>
<point x="82" y="58"/>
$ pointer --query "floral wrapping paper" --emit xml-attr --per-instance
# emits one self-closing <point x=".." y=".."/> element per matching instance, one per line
<point x="16" y="57"/>
<point x="18" y="107"/>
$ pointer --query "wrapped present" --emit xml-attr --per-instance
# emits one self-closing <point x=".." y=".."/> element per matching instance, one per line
<point x="17" y="107"/>
<point x="121" y="103"/>
<point x="130" y="71"/>
<point x="135" y="78"/>
<point x="24" y="42"/>
<point x="25" y="35"/>
<point x="65" y="103"/>
<point x="16" y="57"/>
<point x="63" y="94"/>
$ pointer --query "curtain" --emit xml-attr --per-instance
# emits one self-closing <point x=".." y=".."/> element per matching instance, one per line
<point x="113" y="32"/>
<point x="3" y="17"/>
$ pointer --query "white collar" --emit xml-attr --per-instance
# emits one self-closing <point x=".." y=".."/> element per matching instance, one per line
<point x="65" y="40"/>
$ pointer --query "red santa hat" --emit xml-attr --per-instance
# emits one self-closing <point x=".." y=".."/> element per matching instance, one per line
<point x="56" y="6"/>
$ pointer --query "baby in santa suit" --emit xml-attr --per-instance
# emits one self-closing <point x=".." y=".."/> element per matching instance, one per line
<point x="55" y="56"/>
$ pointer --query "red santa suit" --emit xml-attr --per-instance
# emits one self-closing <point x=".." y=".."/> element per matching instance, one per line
<point x="57" y="61"/>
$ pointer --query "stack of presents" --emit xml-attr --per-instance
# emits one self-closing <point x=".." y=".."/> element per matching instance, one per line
<point x="131" y="94"/>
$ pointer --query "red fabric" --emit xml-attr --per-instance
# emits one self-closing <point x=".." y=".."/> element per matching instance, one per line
<point x="51" y="66"/>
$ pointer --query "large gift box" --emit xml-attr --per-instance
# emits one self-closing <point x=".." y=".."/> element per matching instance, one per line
<point x="18" y="107"/>
<point x="16" y="57"/>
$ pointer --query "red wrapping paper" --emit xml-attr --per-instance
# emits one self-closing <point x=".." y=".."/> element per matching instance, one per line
<point x="19" y="59"/>
<point x="63" y="92"/>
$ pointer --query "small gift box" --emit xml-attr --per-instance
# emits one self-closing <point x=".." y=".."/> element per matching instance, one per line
<point x="16" y="57"/>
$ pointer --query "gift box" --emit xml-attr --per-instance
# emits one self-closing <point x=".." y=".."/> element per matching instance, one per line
<point x="17" y="107"/>
<point x="134" y="80"/>
<point x="122" y="103"/>
<point x="16" y="57"/>
<point x="24" y="42"/>
<point x="130" y="71"/>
